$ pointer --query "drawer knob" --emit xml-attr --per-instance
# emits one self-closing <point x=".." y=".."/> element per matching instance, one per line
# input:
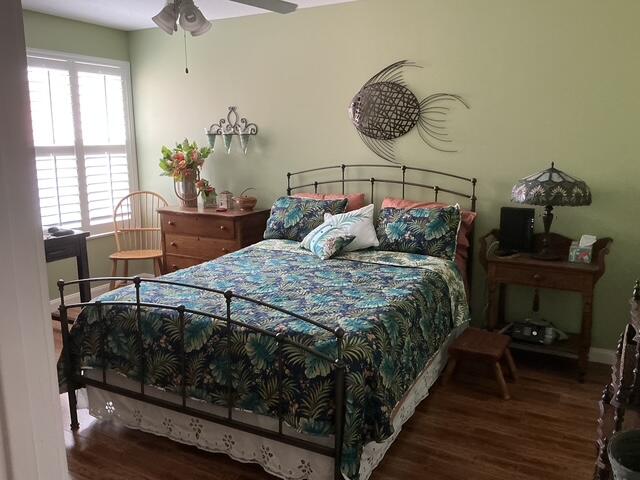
<point x="222" y="227"/>
<point x="175" y="267"/>
<point x="174" y="244"/>
<point x="225" y="250"/>
<point x="537" y="277"/>
<point x="171" y="222"/>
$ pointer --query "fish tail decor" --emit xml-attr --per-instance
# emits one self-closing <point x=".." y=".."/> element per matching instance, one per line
<point x="385" y="109"/>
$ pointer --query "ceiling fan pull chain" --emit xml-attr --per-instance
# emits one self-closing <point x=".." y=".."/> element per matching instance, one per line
<point x="186" y="62"/>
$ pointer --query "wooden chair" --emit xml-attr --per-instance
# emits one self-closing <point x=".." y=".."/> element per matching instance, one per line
<point x="137" y="227"/>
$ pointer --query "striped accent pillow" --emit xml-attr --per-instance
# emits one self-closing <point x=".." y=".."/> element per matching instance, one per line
<point x="326" y="240"/>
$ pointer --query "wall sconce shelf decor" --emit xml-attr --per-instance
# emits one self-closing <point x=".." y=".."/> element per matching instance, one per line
<point x="232" y="126"/>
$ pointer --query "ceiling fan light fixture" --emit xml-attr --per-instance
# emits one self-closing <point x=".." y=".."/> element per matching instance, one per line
<point x="192" y="20"/>
<point x="167" y="18"/>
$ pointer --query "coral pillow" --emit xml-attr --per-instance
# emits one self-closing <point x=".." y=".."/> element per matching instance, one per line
<point x="464" y="234"/>
<point x="355" y="201"/>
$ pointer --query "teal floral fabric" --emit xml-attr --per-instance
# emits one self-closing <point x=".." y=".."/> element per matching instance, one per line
<point x="427" y="231"/>
<point x="326" y="241"/>
<point x="293" y="218"/>
<point x="396" y="309"/>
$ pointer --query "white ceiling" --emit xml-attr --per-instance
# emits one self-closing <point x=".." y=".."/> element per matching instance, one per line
<point x="136" y="14"/>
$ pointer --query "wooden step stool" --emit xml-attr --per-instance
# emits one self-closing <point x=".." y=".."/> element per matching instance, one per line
<point x="486" y="347"/>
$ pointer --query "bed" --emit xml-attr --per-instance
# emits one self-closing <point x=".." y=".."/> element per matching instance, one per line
<point x="271" y="355"/>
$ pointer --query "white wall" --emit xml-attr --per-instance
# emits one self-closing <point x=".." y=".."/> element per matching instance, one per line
<point x="32" y="445"/>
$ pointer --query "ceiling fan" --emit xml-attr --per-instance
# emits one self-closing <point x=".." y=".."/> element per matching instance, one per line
<point x="192" y="20"/>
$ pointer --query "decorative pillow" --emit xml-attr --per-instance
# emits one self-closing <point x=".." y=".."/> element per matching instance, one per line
<point x="354" y="200"/>
<point x="358" y="223"/>
<point x="293" y="218"/>
<point x="326" y="240"/>
<point x="464" y="235"/>
<point x="425" y="231"/>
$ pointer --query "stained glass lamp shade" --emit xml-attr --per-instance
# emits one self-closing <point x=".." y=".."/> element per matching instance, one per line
<point x="550" y="188"/>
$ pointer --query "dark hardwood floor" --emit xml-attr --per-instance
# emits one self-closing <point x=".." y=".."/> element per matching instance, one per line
<point x="461" y="431"/>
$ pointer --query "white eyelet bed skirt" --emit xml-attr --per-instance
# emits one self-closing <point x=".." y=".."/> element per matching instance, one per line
<point x="279" y="459"/>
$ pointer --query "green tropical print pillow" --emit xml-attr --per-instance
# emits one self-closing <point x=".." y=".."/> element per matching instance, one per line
<point x="427" y="231"/>
<point x="293" y="218"/>
<point x="326" y="241"/>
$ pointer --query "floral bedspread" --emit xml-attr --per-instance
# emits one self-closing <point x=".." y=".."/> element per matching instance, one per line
<point x="396" y="309"/>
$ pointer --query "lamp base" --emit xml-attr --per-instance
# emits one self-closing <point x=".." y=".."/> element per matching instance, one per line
<point x="546" y="254"/>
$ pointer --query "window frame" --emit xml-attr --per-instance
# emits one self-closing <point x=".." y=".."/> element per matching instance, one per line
<point x="51" y="59"/>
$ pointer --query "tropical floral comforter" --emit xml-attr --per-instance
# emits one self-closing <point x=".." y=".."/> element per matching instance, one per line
<point x="396" y="309"/>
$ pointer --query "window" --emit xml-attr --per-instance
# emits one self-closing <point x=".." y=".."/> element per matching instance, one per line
<point x="81" y="116"/>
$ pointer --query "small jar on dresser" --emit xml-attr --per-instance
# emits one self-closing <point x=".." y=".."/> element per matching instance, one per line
<point x="192" y="235"/>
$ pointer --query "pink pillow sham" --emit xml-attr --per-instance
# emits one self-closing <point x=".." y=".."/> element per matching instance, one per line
<point x="464" y="234"/>
<point x="354" y="200"/>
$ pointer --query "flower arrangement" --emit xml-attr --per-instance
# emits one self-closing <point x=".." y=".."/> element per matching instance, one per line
<point x="204" y="188"/>
<point x="207" y="192"/>
<point x="185" y="160"/>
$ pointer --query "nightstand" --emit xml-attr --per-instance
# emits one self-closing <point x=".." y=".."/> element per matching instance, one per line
<point x="194" y="235"/>
<point x="522" y="269"/>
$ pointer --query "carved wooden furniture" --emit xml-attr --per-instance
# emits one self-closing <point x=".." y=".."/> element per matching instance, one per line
<point x="191" y="236"/>
<point x="137" y="229"/>
<point x="522" y="269"/>
<point x="622" y="395"/>
<point x="484" y="347"/>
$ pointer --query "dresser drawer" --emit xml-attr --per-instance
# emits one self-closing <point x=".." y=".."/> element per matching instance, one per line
<point x="542" y="278"/>
<point x="175" y="262"/>
<point x="202" y="247"/>
<point x="199" y="225"/>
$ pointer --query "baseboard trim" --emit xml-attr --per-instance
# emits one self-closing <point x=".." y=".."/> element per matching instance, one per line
<point x="75" y="297"/>
<point x="95" y="291"/>
<point x="602" y="355"/>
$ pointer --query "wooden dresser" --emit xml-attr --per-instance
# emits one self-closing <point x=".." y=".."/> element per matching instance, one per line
<point x="195" y="235"/>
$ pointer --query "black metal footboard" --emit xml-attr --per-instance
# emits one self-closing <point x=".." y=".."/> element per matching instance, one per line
<point x="76" y="380"/>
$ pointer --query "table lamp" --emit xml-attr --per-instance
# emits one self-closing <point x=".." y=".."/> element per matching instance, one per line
<point x="550" y="188"/>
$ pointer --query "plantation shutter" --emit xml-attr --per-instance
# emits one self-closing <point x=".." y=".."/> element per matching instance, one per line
<point x="80" y="119"/>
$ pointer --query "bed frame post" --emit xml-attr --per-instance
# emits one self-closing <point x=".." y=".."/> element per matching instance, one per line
<point x="340" y="401"/>
<point x="289" y="184"/>
<point x="141" y="361"/>
<point x="68" y="367"/>
<point x="228" y="295"/>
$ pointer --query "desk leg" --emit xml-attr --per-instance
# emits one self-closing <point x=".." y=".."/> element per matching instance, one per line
<point x="585" y="340"/>
<point x="495" y="301"/>
<point x="82" y="263"/>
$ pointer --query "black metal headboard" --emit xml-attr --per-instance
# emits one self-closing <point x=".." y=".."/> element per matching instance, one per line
<point x="403" y="169"/>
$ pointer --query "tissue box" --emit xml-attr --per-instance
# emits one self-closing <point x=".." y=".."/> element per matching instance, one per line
<point x="578" y="254"/>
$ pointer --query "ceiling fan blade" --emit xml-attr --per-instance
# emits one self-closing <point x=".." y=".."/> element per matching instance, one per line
<point x="278" y="6"/>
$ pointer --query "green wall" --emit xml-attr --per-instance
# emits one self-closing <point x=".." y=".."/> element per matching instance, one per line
<point x="547" y="80"/>
<point x="62" y="35"/>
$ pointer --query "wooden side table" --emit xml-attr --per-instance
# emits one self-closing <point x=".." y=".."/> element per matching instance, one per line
<point x="522" y="269"/>
<point x="71" y="246"/>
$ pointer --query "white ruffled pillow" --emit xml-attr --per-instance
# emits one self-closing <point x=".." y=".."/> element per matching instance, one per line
<point x="358" y="223"/>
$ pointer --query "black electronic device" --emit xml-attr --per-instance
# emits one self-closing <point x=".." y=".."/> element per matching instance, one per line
<point x="516" y="230"/>
<point x="59" y="232"/>
<point x="527" y="331"/>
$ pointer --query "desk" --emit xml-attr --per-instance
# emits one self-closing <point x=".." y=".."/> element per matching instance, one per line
<point x="70" y="246"/>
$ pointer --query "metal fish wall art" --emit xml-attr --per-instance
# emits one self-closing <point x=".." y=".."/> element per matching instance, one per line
<point x="385" y="109"/>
